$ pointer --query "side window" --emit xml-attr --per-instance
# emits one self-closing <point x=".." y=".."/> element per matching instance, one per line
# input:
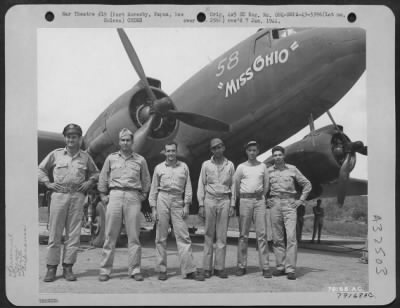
<point x="262" y="43"/>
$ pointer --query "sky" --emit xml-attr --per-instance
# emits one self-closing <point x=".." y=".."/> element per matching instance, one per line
<point x="82" y="71"/>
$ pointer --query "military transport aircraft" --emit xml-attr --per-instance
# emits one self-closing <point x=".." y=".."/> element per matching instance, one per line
<point x="266" y="88"/>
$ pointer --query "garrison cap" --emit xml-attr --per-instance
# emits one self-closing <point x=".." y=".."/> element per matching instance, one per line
<point x="250" y="143"/>
<point x="215" y="141"/>
<point x="125" y="132"/>
<point x="72" y="129"/>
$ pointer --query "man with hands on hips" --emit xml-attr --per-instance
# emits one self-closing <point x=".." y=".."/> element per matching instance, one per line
<point x="283" y="206"/>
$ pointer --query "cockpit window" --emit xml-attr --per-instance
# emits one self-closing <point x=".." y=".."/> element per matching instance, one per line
<point x="281" y="33"/>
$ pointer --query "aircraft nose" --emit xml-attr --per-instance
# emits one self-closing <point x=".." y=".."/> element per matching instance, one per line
<point x="347" y="42"/>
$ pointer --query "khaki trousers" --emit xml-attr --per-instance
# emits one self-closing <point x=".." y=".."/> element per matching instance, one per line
<point x="170" y="206"/>
<point x="284" y="215"/>
<point x="66" y="211"/>
<point x="252" y="210"/>
<point x="216" y="225"/>
<point x="127" y="205"/>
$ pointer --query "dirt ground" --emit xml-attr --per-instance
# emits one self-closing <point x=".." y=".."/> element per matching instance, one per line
<point x="330" y="264"/>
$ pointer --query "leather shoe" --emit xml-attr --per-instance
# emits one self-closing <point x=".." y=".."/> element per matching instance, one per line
<point x="195" y="276"/>
<point x="291" y="276"/>
<point x="51" y="273"/>
<point x="67" y="272"/>
<point x="162" y="276"/>
<point x="240" y="271"/>
<point x="207" y="274"/>
<point x="138" y="277"/>
<point x="277" y="273"/>
<point x="104" y="277"/>
<point x="221" y="273"/>
<point x="267" y="273"/>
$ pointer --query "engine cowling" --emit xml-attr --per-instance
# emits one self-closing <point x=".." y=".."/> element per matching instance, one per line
<point x="131" y="110"/>
<point x="319" y="156"/>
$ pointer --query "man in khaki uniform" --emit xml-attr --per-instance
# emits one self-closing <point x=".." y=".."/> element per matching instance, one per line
<point x="170" y="197"/>
<point x="283" y="205"/>
<point x="251" y="185"/>
<point x="216" y="204"/>
<point x="126" y="177"/>
<point x="74" y="173"/>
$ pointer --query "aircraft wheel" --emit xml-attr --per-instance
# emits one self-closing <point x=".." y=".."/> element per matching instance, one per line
<point x="98" y="226"/>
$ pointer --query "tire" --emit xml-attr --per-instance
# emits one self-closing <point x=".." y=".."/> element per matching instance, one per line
<point x="98" y="230"/>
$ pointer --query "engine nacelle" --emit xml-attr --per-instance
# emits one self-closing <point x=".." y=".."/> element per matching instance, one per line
<point x="319" y="156"/>
<point x="130" y="110"/>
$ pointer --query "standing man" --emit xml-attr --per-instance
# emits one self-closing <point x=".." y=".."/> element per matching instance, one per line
<point x="216" y="204"/>
<point x="73" y="173"/>
<point x="126" y="177"/>
<point x="251" y="185"/>
<point x="284" y="211"/>
<point x="170" y="197"/>
<point x="318" y="220"/>
<point x="301" y="211"/>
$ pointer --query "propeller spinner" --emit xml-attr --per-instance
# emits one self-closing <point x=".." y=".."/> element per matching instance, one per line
<point x="159" y="108"/>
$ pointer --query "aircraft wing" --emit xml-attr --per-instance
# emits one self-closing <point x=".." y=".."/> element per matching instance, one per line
<point x="355" y="187"/>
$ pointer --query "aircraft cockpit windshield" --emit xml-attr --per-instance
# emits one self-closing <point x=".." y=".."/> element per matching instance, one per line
<point x="282" y="32"/>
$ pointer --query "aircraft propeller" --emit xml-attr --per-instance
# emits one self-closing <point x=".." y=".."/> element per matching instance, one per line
<point x="158" y="108"/>
<point x="345" y="151"/>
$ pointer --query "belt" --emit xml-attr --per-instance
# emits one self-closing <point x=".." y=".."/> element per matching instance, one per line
<point x="69" y="188"/>
<point x="257" y="196"/>
<point x="220" y="196"/>
<point x="283" y="196"/>
<point x="174" y="193"/>
<point x="124" y="188"/>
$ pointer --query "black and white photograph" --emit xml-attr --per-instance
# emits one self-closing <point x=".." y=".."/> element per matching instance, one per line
<point x="206" y="161"/>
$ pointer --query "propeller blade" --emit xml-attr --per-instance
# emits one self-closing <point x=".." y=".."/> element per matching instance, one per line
<point x="200" y="121"/>
<point x="133" y="57"/>
<point x="141" y="134"/>
<point x="344" y="175"/>
<point x="359" y="147"/>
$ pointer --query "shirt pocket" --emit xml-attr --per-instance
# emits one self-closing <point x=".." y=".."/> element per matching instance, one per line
<point x="132" y="170"/>
<point x="287" y="182"/>
<point x="60" y="171"/>
<point x="80" y="171"/>
<point x="116" y="170"/>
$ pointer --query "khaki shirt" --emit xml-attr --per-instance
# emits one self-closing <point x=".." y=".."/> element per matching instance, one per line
<point x="68" y="171"/>
<point x="283" y="181"/>
<point x="174" y="179"/>
<point x="121" y="172"/>
<point x="216" y="180"/>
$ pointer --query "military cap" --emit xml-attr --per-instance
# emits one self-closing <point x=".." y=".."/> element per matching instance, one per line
<point x="252" y="142"/>
<point x="215" y="141"/>
<point x="125" y="132"/>
<point x="72" y="129"/>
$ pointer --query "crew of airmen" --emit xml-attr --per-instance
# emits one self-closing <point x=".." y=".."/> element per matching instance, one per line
<point x="267" y="197"/>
